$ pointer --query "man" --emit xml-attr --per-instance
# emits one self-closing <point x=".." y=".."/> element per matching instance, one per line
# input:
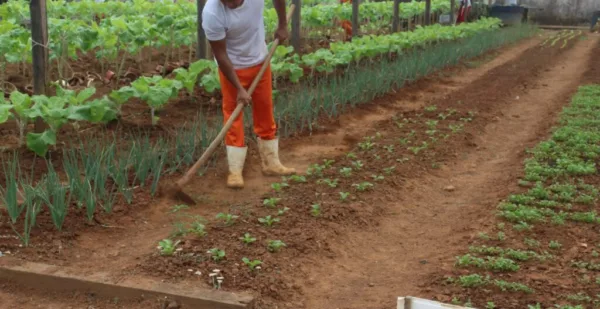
<point x="236" y="33"/>
<point x="463" y="11"/>
<point x="346" y="24"/>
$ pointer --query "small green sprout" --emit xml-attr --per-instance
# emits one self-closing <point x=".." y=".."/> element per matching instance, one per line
<point x="216" y="254"/>
<point x="177" y="208"/>
<point x="367" y="145"/>
<point x="282" y="211"/>
<point x="167" y="247"/>
<point x="363" y="186"/>
<point x="431" y="124"/>
<point x="315" y="210"/>
<point x="501" y="236"/>
<point x="328" y="163"/>
<point x="389" y="148"/>
<point x="298" y="178"/>
<point x="268" y="220"/>
<point x="275" y="245"/>
<point x="228" y="218"/>
<point x="554" y="245"/>
<point x="315" y="170"/>
<point x="247" y="239"/>
<point x="198" y="229"/>
<point x="253" y="265"/>
<point x="377" y="177"/>
<point x="344" y="196"/>
<point x="277" y="187"/>
<point x="431" y="108"/>
<point x="271" y="202"/>
<point x="331" y="183"/>
<point x="352" y="156"/>
<point x="389" y="170"/>
<point x="346" y="171"/>
<point x="357" y="165"/>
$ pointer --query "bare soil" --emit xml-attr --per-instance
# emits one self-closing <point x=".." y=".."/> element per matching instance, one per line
<point x="378" y="245"/>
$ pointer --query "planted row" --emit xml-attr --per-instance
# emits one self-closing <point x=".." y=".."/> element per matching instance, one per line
<point x="561" y="201"/>
<point x="157" y="91"/>
<point x="126" y="28"/>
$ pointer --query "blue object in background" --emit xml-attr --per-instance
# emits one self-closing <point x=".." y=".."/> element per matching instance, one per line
<point x="595" y="17"/>
<point x="509" y="15"/>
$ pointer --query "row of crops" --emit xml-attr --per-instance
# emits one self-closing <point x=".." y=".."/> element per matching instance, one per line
<point x="157" y="91"/>
<point x="549" y="225"/>
<point x="114" y="30"/>
<point x="102" y="173"/>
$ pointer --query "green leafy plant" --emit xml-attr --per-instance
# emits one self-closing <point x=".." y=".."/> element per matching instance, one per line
<point x="167" y="247"/>
<point x="344" y="196"/>
<point x="271" y="202"/>
<point x="268" y="220"/>
<point x="252" y="264"/>
<point x="363" y="186"/>
<point x="315" y="210"/>
<point x="247" y="239"/>
<point x="228" y="219"/>
<point x="217" y="254"/>
<point x="275" y="245"/>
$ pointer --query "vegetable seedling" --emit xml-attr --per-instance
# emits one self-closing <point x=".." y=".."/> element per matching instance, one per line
<point x="167" y="247"/>
<point x="363" y="186"/>
<point x="247" y="239"/>
<point x="346" y="171"/>
<point x="357" y="165"/>
<point x="277" y="187"/>
<point x="275" y="245"/>
<point x="271" y="202"/>
<point x="268" y="220"/>
<point x="216" y="254"/>
<point x="344" y="196"/>
<point x="315" y="210"/>
<point x="282" y="211"/>
<point x="228" y="219"/>
<point x="298" y="178"/>
<point x="253" y="265"/>
<point x="389" y="170"/>
<point x="377" y="177"/>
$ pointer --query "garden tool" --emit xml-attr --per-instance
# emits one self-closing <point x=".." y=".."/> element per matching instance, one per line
<point x="176" y="190"/>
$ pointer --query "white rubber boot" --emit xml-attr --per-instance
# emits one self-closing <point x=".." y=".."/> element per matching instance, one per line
<point x="269" y="154"/>
<point x="236" y="156"/>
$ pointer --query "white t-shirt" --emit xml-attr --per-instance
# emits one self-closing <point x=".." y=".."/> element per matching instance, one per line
<point x="242" y="28"/>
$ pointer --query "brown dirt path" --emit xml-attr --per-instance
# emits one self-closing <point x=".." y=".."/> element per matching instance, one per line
<point x="427" y="225"/>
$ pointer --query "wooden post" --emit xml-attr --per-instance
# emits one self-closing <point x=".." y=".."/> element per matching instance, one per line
<point x="39" y="37"/>
<point x="355" y="23"/>
<point x="396" y="18"/>
<point x="452" y="10"/>
<point x="296" y="25"/>
<point x="201" y="48"/>
<point x="427" y="12"/>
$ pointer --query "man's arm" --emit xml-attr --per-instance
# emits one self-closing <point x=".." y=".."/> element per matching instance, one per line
<point x="215" y="33"/>
<point x="280" y="8"/>
<point x="220" y="51"/>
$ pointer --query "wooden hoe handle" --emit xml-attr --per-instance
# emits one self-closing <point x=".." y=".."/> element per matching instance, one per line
<point x="213" y="146"/>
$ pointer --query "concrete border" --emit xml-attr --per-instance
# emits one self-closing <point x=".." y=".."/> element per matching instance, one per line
<point x="55" y="278"/>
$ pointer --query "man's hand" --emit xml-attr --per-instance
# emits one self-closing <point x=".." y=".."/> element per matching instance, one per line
<point x="243" y="97"/>
<point x="282" y="33"/>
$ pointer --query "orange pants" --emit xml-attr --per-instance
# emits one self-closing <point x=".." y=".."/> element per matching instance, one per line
<point x="262" y="106"/>
<point x="347" y="26"/>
